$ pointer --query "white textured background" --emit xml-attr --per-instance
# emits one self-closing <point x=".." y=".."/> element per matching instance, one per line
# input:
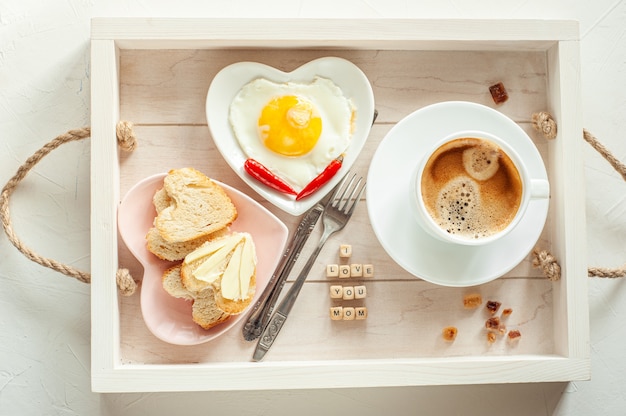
<point x="44" y="316"/>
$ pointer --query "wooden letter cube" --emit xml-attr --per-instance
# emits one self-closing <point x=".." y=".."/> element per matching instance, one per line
<point x="336" y="313"/>
<point x="348" y="293"/>
<point x="336" y="292"/>
<point x="348" y="314"/>
<point x="360" y="312"/>
<point x="368" y="270"/>
<point x="332" y="270"/>
<point x="344" y="271"/>
<point x="360" y="292"/>
<point x="345" y="251"/>
<point x="356" y="270"/>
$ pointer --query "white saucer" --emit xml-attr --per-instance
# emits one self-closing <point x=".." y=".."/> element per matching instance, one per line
<point x="388" y="197"/>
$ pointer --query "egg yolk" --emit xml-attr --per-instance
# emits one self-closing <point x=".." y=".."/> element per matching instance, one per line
<point x="290" y="125"/>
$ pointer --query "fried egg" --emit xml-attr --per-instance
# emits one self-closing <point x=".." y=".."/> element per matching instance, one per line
<point x="294" y="129"/>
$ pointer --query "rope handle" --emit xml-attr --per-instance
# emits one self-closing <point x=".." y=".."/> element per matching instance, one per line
<point x="541" y="121"/>
<point x="127" y="141"/>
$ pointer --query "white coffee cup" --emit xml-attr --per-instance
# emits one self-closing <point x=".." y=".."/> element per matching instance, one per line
<point x="459" y="197"/>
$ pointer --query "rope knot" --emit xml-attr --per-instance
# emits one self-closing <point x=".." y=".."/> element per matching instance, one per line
<point x="125" y="282"/>
<point x="544" y="123"/>
<point x="125" y="136"/>
<point x="548" y="263"/>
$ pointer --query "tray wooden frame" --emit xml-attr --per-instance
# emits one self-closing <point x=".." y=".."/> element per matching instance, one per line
<point x="559" y="40"/>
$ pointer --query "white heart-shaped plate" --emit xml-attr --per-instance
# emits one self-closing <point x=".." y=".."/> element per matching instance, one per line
<point x="232" y="78"/>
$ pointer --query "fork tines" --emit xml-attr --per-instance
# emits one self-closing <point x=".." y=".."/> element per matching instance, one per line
<point x="338" y="201"/>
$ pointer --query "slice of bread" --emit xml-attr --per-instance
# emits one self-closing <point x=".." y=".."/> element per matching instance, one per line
<point x="161" y="200"/>
<point x="204" y="310"/>
<point x="177" y="251"/>
<point x="199" y="207"/>
<point x="173" y="285"/>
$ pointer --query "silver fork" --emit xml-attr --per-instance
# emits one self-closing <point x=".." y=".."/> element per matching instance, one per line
<point x="337" y="212"/>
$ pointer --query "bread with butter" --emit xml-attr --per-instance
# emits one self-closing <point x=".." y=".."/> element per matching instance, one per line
<point x="226" y="264"/>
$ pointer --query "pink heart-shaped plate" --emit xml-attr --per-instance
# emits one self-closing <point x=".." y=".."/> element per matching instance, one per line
<point x="169" y="318"/>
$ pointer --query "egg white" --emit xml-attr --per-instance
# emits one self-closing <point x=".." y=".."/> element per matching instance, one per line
<point x="335" y="110"/>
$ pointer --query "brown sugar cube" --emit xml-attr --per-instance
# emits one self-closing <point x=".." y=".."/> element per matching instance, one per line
<point x="507" y="312"/>
<point x="473" y="300"/>
<point x="360" y="312"/>
<point x="493" y="306"/>
<point x="349" y="314"/>
<point x="345" y="251"/>
<point x="360" y="292"/>
<point x="449" y="333"/>
<point x="491" y="337"/>
<point x="368" y="270"/>
<point x="356" y="270"/>
<point x="336" y="313"/>
<point x="348" y="293"/>
<point x="336" y="292"/>
<point x="498" y="93"/>
<point x="493" y="324"/>
<point x="514" y="334"/>
<point x="344" y="271"/>
<point x="332" y="270"/>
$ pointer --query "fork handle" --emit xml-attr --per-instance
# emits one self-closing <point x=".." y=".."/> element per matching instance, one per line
<point x="262" y="310"/>
<point x="284" y="307"/>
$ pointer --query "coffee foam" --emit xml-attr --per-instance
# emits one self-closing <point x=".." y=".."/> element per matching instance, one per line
<point x="460" y="209"/>
<point x="481" y="162"/>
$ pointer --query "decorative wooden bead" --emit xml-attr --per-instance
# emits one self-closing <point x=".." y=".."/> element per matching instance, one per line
<point x="344" y="271"/>
<point x="332" y="270"/>
<point x="348" y="293"/>
<point x="360" y="313"/>
<point x="368" y="270"/>
<point x="360" y="292"/>
<point x="345" y="251"/>
<point x="336" y="313"/>
<point x="336" y="292"/>
<point x="356" y="270"/>
<point x="349" y="314"/>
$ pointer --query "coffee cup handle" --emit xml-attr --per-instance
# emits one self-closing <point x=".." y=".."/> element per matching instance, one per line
<point x="540" y="189"/>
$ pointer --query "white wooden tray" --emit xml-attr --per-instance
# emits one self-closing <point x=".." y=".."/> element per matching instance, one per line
<point x="156" y="72"/>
